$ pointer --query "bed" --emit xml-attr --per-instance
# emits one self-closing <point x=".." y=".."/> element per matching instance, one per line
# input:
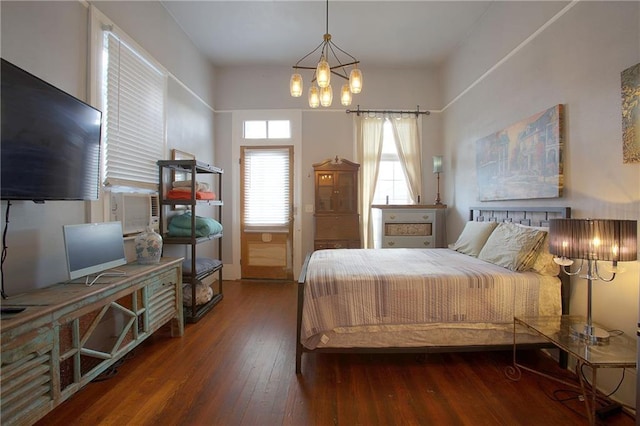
<point x="461" y="298"/>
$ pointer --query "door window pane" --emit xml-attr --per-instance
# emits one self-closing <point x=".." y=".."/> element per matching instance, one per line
<point x="255" y="129"/>
<point x="267" y="129"/>
<point x="279" y="129"/>
<point x="266" y="186"/>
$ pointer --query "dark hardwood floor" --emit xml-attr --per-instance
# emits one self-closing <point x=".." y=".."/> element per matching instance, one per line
<point x="237" y="367"/>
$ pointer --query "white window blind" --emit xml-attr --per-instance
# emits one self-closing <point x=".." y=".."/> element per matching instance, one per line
<point x="134" y="99"/>
<point x="267" y="187"/>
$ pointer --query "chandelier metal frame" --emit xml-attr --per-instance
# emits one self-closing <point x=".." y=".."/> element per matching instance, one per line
<point x="330" y="51"/>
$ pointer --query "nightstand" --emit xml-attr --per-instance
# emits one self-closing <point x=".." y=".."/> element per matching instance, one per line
<point x="621" y="352"/>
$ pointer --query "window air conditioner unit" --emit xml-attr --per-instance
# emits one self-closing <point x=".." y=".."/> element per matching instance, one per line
<point x="135" y="211"/>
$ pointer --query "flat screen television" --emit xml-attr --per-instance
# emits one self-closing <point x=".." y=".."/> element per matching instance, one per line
<point x="92" y="248"/>
<point x="50" y="141"/>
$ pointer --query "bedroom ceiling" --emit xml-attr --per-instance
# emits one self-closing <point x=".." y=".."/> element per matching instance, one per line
<point x="378" y="33"/>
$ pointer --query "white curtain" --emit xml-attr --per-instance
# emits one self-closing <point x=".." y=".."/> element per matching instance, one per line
<point x="407" y="139"/>
<point x="369" y="150"/>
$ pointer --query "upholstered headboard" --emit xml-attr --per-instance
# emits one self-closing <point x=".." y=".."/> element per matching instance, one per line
<point x="531" y="216"/>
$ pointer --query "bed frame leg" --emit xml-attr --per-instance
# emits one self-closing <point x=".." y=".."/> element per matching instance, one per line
<point x="301" y="280"/>
<point x="299" y="348"/>
<point x="298" y="360"/>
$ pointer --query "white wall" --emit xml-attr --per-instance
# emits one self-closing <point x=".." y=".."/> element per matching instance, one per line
<point x="50" y="40"/>
<point x="576" y="62"/>
<point x="325" y="132"/>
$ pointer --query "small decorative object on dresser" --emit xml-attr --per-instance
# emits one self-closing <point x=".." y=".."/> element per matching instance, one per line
<point x="337" y="222"/>
<point x="148" y="247"/>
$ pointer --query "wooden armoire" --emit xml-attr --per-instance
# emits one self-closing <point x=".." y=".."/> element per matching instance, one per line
<point x="337" y="222"/>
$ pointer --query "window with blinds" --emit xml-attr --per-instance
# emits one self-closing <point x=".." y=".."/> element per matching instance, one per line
<point x="133" y="91"/>
<point x="267" y="186"/>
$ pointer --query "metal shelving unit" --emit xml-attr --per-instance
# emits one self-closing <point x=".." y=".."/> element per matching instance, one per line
<point x="193" y="312"/>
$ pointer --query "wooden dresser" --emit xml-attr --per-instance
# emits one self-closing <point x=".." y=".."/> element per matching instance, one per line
<point x="409" y="226"/>
<point x="69" y="333"/>
<point x="337" y="222"/>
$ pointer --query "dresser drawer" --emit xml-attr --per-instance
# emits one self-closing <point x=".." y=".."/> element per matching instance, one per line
<point x="409" y="226"/>
<point x="408" y="242"/>
<point x="408" y="216"/>
<point x="333" y="244"/>
<point x="414" y="229"/>
<point x="337" y="227"/>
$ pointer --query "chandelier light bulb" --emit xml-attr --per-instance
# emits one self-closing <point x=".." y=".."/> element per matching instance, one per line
<point x="295" y="85"/>
<point x="345" y="95"/>
<point x="355" y="80"/>
<point x="326" y="96"/>
<point x="323" y="73"/>
<point x="314" y="97"/>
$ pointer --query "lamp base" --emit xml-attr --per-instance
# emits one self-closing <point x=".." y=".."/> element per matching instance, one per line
<point x="590" y="335"/>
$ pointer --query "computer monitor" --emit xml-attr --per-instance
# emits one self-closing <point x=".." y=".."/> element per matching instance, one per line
<point x="92" y="248"/>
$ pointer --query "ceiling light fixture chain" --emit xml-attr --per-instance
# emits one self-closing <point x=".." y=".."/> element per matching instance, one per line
<point x="320" y="92"/>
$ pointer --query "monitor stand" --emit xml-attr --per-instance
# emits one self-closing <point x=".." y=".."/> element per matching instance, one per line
<point x="104" y="274"/>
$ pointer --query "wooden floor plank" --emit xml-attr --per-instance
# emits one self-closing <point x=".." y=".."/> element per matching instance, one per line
<point x="236" y="366"/>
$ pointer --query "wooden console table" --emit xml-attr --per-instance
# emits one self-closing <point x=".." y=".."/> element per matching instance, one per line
<point x="69" y="333"/>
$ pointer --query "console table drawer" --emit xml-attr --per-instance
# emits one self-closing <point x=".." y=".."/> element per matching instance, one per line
<point x="163" y="299"/>
<point x="162" y="283"/>
<point x="26" y="378"/>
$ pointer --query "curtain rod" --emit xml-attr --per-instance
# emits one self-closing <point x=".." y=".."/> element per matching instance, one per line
<point x="390" y="111"/>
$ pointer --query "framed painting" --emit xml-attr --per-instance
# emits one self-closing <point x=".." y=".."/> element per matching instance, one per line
<point x="523" y="161"/>
<point x="630" y="79"/>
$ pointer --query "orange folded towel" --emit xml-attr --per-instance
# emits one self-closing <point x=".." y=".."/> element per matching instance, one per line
<point x="173" y="194"/>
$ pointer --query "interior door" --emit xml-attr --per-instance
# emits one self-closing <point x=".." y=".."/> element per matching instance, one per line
<point x="266" y="206"/>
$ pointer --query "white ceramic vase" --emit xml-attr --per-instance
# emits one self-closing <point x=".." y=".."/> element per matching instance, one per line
<point x="148" y="247"/>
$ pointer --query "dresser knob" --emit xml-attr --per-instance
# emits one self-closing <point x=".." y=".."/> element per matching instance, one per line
<point x="392" y="217"/>
<point x="427" y="243"/>
<point x="391" y="243"/>
<point x="425" y="217"/>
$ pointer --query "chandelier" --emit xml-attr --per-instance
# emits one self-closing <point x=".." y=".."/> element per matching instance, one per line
<point x="320" y="92"/>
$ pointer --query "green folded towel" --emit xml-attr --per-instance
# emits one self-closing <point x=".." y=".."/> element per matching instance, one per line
<point x="180" y="226"/>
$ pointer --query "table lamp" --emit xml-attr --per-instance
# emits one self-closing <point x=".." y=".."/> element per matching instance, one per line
<point x="437" y="169"/>
<point x="592" y="241"/>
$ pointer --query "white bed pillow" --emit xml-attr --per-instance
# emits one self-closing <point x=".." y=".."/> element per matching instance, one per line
<point x="473" y="237"/>
<point x="513" y="247"/>
<point x="544" y="264"/>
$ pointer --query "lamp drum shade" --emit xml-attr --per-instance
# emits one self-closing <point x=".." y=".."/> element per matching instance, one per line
<point x="437" y="164"/>
<point x="594" y="239"/>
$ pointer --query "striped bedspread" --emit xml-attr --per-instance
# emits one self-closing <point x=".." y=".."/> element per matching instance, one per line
<point x="361" y="289"/>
